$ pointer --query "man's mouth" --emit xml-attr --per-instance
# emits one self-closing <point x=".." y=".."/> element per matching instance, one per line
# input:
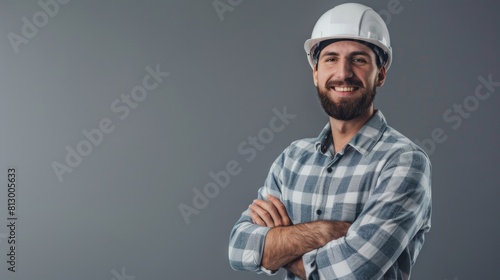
<point x="345" y="89"/>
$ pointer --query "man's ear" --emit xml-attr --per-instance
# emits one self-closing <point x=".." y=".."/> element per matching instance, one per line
<point x="315" y="75"/>
<point x="381" y="76"/>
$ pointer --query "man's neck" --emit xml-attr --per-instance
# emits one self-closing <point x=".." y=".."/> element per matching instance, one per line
<point x="343" y="131"/>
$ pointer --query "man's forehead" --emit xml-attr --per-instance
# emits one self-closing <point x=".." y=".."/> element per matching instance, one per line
<point x="346" y="47"/>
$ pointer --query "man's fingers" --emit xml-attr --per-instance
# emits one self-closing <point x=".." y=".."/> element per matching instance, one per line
<point x="281" y="209"/>
<point x="271" y="210"/>
<point x="263" y="214"/>
<point x="256" y="219"/>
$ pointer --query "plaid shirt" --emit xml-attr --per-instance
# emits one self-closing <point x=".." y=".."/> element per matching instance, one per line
<point x="380" y="182"/>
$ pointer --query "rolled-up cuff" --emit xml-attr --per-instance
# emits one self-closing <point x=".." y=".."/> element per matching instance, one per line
<point x="310" y="268"/>
<point x="267" y="271"/>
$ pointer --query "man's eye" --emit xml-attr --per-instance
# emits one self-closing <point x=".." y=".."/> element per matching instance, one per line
<point x="359" y="60"/>
<point x="330" y="59"/>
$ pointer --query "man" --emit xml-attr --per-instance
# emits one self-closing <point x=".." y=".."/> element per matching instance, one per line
<point x="355" y="202"/>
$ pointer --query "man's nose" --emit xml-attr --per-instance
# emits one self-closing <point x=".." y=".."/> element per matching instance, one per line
<point x="344" y="69"/>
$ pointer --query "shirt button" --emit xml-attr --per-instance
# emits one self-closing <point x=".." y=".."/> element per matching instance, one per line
<point x="319" y="212"/>
<point x="329" y="170"/>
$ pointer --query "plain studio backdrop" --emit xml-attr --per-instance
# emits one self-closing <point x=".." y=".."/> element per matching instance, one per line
<point x="117" y="114"/>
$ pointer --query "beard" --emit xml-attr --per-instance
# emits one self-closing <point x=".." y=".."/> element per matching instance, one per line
<point x="347" y="108"/>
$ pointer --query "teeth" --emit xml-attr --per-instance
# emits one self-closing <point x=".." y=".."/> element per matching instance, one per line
<point x="344" y="88"/>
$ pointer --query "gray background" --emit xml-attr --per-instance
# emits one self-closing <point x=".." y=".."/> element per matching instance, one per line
<point x="119" y="207"/>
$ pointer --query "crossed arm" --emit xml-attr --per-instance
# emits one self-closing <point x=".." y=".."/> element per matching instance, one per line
<point x="286" y="243"/>
<point x="390" y="228"/>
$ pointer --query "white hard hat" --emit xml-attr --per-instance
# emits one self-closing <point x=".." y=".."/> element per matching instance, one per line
<point x="350" y="21"/>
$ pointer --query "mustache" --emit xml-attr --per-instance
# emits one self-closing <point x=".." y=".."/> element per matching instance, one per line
<point x="346" y="83"/>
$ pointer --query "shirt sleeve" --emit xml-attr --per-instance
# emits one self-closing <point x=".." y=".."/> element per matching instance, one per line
<point x="398" y="208"/>
<point x="246" y="242"/>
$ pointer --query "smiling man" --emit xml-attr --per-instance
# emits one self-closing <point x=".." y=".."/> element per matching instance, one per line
<point x="355" y="202"/>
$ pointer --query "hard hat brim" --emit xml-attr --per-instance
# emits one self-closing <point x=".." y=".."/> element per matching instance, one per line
<point x="311" y="44"/>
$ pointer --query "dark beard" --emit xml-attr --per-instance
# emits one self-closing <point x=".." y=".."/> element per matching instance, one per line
<point x="347" y="108"/>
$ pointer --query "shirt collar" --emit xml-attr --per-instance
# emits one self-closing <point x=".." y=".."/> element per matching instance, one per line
<point x="363" y="141"/>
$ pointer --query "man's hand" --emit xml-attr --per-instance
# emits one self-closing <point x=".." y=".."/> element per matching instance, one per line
<point x="263" y="214"/>
<point x="270" y="213"/>
<point x="285" y="243"/>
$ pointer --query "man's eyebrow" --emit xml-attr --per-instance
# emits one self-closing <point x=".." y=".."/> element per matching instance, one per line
<point x="359" y="53"/>
<point x="331" y="53"/>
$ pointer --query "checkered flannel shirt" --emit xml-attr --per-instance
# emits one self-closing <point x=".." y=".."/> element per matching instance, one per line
<point x="380" y="182"/>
